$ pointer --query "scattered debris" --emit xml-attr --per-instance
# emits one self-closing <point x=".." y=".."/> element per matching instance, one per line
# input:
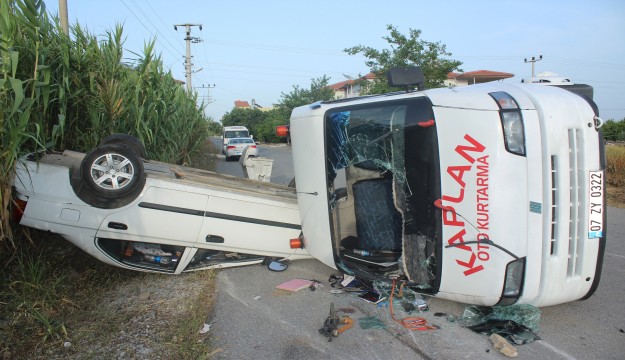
<point x="257" y="297"/>
<point x="331" y="324"/>
<point x="206" y="328"/>
<point x="347" y="310"/>
<point x="316" y="284"/>
<point x="371" y="297"/>
<point x="516" y="323"/>
<point x="347" y="280"/>
<point x="503" y="346"/>
<point x="295" y="285"/>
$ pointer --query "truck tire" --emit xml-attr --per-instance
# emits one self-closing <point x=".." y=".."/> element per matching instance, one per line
<point x="579" y="89"/>
<point x="127" y="140"/>
<point x="110" y="176"/>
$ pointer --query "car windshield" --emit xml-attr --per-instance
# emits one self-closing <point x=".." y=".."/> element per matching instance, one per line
<point x="241" y="141"/>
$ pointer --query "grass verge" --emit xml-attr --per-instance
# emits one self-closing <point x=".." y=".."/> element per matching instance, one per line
<point x="615" y="173"/>
<point x="58" y="302"/>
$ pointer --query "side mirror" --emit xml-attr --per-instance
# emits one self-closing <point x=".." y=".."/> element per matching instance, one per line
<point x="277" y="266"/>
<point x="251" y="136"/>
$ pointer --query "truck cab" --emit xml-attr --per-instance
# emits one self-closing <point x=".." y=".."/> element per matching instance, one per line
<point x="486" y="194"/>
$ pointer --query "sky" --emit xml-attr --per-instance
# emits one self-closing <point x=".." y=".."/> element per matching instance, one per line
<point x="258" y="50"/>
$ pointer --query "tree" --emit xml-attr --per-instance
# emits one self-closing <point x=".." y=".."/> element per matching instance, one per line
<point x="318" y="91"/>
<point x="407" y="51"/>
<point x="250" y="118"/>
<point x="614" y="130"/>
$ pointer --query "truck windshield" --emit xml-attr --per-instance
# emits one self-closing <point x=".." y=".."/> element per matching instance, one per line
<point x="236" y="134"/>
<point x="383" y="178"/>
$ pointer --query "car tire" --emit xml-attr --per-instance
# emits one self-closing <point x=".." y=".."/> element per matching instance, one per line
<point x="127" y="140"/>
<point x="98" y="184"/>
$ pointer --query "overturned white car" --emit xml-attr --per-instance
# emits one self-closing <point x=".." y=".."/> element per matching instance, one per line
<point x="485" y="194"/>
<point x="146" y="215"/>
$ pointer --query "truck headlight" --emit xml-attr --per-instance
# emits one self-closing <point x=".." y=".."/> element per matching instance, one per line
<point x="511" y="122"/>
<point x="513" y="284"/>
<point x="513" y="132"/>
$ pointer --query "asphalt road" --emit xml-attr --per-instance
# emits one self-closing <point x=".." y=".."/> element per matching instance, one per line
<point x="253" y="320"/>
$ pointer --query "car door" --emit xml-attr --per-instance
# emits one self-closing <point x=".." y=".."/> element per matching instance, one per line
<point x="250" y="225"/>
<point x="162" y="215"/>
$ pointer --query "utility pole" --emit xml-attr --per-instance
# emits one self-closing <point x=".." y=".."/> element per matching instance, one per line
<point x="63" y="16"/>
<point x="533" y="61"/>
<point x="208" y="95"/>
<point x="188" y="66"/>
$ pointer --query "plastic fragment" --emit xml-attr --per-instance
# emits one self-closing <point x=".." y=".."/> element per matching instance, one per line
<point x="205" y="329"/>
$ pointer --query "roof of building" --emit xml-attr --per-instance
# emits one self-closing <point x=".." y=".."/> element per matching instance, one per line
<point x="342" y="84"/>
<point x="241" y="104"/>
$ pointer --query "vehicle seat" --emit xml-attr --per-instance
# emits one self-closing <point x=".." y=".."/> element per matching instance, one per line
<point x="378" y="223"/>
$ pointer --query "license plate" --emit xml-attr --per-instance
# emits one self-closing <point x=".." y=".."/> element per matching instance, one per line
<point x="596" y="188"/>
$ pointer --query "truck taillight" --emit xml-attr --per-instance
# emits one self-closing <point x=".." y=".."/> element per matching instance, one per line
<point x="19" y="206"/>
<point x="282" y="130"/>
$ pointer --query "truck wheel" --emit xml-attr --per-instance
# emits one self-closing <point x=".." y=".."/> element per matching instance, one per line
<point x="113" y="171"/>
<point x="127" y="140"/>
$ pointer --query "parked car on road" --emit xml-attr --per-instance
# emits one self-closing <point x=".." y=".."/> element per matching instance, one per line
<point x="235" y="148"/>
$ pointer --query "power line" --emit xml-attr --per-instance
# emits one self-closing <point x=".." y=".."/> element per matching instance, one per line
<point x="165" y="45"/>
<point x="282" y="48"/>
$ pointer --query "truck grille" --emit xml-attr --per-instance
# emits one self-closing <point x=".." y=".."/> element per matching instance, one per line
<point x="576" y="196"/>
<point x="554" y="204"/>
<point x="558" y="207"/>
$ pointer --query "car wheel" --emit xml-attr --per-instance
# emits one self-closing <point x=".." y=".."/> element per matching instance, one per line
<point x="110" y="176"/>
<point x="127" y="140"/>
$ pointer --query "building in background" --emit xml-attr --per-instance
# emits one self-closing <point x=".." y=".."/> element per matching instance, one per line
<point x="353" y="87"/>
